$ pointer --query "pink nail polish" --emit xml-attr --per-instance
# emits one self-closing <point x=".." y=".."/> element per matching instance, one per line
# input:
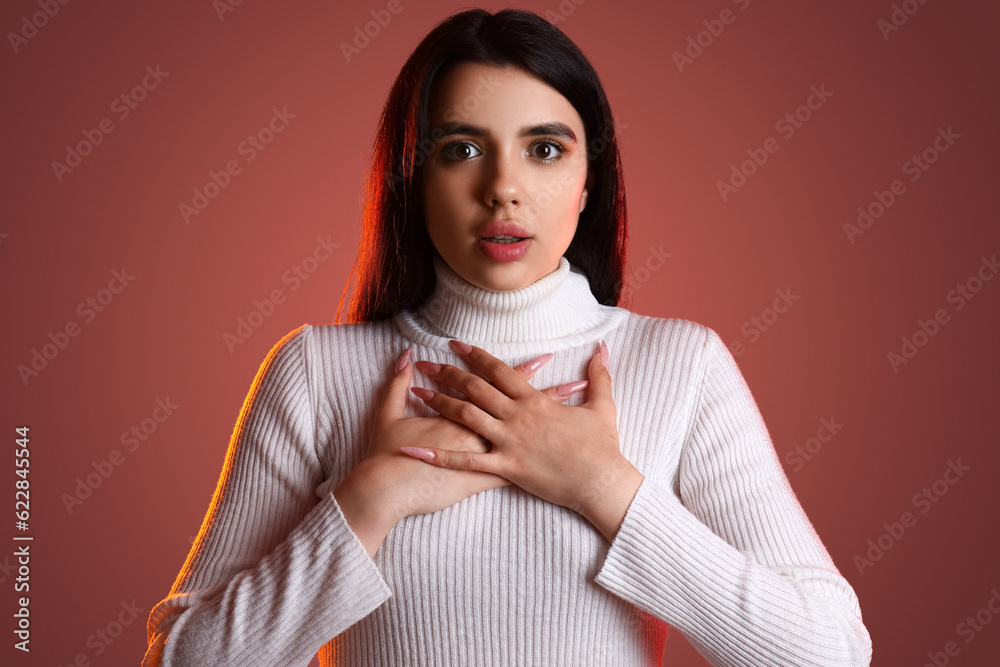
<point x="604" y="353"/>
<point x="429" y="367"/>
<point x="571" y="387"/>
<point x="403" y="359"/>
<point x="537" y="362"/>
<point x="424" y="394"/>
<point x="418" y="453"/>
<point x="460" y="347"/>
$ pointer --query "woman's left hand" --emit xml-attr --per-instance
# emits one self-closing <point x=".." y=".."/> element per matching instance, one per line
<point x="567" y="455"/>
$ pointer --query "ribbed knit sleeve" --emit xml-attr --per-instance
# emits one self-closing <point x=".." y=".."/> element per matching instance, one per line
<point x="275" y="571"/>
<point x="734" y="563"/>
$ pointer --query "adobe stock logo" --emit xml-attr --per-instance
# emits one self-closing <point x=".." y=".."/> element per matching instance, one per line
<point x="696" y="44"/>
<point x="924" y="500"/>
<point x="786" y="126"/>
<point x="381" y="18"/>
<point x="103" y="637"/>
<point x="122" y="106"/>
<point x="565" y="9"/>
<point x="102" y="470"/>
<point x="915" y="167"/>
<point x="958" y="297"/>
<point x="640" y="274"/>
<point x="88" y="310"/>
<point x="898" y="18"/>
<point x="38" y="20"/>
<point x="968" y="628"/>
<point x="223" y="7"/>
<point x="249" y="148"/>
<point x="757" y="325"/>
<point x="828" y="428"/>
<point x="294" y="277"/>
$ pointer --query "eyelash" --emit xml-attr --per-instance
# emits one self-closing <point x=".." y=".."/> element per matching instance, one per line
<point x="560" y="151"/>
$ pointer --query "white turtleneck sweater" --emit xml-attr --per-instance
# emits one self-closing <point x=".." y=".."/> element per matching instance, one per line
<point x="714" y="542"/>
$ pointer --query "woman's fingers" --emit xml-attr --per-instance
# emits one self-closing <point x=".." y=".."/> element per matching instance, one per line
<point x="558" y="393"/>
<point x="530" y="367"/>
<point x="483" y="392"/>
<point x="452" y="460"/>
<point x="458" y="410"/>
<point x="600" y="395"/>
<point x="503" y="377"/>
<point x="563" y="391"/>
<point x="394" y="399"/>
<point x="485" y="395"/>
<point x="548" y="450"/>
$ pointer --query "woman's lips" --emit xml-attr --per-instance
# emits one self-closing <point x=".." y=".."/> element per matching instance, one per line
<point x="503" y="241"/>
<point x="503" y="228"/>
<point x="503" y="252"/>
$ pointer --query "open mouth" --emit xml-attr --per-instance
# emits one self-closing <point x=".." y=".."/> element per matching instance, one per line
<point x="503" y="239"/>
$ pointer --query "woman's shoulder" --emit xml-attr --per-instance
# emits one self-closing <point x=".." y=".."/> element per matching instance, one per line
<point x="363" y="333"/>
<point x="667" y="329"/>
<point x="327" y="336"/>
<point x="321" y="343"/>
<point x="675" y="341"/>
<point x="316" y="348"/>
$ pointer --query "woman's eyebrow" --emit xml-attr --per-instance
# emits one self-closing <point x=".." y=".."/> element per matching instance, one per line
<point x="553" y="128"/>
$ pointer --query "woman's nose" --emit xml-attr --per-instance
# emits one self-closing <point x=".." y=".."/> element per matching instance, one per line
<point x="503" y="186"/>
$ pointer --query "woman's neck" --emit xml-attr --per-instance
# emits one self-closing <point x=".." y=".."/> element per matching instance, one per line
<point x="557" y="308"/>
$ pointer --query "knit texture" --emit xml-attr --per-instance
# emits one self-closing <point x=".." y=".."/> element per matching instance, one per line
<point x="714" y="543"/>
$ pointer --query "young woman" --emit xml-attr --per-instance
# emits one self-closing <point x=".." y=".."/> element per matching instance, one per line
<point x="493" y="463"/>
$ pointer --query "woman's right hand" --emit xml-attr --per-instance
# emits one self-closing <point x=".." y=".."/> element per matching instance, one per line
<point x="388" y="486"/>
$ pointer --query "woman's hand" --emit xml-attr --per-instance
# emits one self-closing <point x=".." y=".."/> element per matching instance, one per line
<point x="567" y="455"/>
<point x="388" y="486"/>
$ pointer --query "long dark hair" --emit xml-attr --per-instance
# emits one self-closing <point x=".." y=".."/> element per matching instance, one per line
<point x="394" y="268"/>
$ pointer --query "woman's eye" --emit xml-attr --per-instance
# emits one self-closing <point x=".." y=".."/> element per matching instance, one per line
<point x="460" y="150"/>
<point x="549" y="151"/>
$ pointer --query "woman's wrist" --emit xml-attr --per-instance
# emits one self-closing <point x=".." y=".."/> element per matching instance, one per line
<point x="366" y="506"/>
<point x="606" y="500"/>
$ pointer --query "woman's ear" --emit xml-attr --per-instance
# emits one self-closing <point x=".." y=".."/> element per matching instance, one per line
<point x="589" y="184"/>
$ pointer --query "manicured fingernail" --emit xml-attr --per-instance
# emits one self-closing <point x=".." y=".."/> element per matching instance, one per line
<point x="460" y="347"/>
<point x="425" y="394"/>
<point x="604" y="353"/>
<point x="418" y="453"/>
<point x="429" y="367"/>
<point x="571" y="387"/>
<point x="403" y="358"/>
<point x="537" y="362"/>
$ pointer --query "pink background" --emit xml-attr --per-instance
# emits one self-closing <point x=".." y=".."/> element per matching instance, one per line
<point x="161" y="337"/>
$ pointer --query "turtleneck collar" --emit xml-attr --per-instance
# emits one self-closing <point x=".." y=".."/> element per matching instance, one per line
<point x="558" y="310"/>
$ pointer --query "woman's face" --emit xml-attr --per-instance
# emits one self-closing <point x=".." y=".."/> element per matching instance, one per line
<point x="508" y="160"/>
